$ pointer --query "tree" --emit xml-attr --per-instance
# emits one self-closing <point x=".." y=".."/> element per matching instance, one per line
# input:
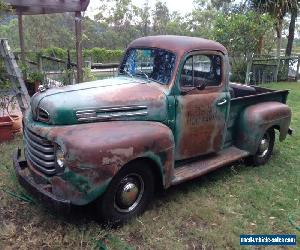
<point x="121" y="18"/>
<point x="201" y="22"/>
<point x="161" y="17"/>
<point x="292" y="25"/>
<point x="277" y="9"/>
<point x="9" y="30"/>
<point x="178" y="25"/>
<point x="55" y="30"/>
<point x="240" y="33"/>
<point x="214" y="4"/>
<point x="145" y="16"/>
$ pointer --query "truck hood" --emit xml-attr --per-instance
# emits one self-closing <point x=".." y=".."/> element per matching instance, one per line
<point x="119" y="98"/>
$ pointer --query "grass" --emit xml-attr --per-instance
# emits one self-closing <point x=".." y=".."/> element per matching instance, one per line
<point x="207" y="213"/>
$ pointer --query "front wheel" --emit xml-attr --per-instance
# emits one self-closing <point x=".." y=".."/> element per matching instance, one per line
<point x="128" y="194"/>
<point x="265" y="149"/>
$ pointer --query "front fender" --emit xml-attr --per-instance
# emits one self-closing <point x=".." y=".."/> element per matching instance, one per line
<point x="256" y="119"/>
<point x="95" y="152"/>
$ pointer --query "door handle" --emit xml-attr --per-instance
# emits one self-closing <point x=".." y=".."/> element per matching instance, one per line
<point x="222" y="102"/>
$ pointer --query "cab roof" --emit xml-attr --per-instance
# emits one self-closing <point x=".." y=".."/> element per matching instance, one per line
<point x="178" y="44"/>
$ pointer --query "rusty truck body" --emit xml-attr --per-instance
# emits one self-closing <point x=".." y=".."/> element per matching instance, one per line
<point x="170" y="115"/>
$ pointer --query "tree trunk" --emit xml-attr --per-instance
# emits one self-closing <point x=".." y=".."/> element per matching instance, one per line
<point x="279" y="26"/>
<point x="291" y="35"/>
<point x="260" y="45"/>
<point x="279" y="36"/>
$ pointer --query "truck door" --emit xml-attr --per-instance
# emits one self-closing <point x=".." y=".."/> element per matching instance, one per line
<point x="202" y="105"/>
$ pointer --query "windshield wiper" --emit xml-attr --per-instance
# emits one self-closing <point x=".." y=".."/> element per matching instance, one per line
<point x="143" y="73"/>
<point x="127" y="73"/>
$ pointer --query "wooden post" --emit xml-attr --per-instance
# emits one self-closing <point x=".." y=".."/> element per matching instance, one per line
<point x="249" y="66"/>
<point x="21" y="37"/>
<point x="277" y="69"/>
<point x="40" y="62"/>
<point x="298" y="67"/>
<point x="78" y="31"/>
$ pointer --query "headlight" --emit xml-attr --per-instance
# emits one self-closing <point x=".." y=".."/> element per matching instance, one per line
<point x="60" y="157"/>
<point x="43" y="115"/>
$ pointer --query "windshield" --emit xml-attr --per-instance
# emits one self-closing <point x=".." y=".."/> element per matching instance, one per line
<point x="151" y="64"/>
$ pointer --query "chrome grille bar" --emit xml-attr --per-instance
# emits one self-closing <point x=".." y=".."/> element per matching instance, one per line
<point x="37" y="138"/>
<point x="109" y="113"/>
<point x="113" y="109"/>
<point x="36" y="165"/>
<point x="38" y="146"/>
<point x="40" y="152"/>
<point x="110" y="116"/>
<point x="45" y="157"/>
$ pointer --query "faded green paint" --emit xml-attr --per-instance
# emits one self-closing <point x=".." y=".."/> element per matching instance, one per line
<point x="81" y="183"/>
<point x="96" y="151"/>
<point x="63" y="103"/>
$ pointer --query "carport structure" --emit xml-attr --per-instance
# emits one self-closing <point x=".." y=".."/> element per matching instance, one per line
<point x="40" y="7"/>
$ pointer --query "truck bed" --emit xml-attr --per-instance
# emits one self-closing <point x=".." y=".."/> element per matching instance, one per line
<point x="243" y="96"/>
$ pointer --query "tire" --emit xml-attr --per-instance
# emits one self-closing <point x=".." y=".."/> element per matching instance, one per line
<point x="264" y="151"/>
<point x="117" y="206"/>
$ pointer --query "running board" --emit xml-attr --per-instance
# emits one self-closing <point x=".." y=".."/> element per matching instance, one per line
<point x="197" y="168"/>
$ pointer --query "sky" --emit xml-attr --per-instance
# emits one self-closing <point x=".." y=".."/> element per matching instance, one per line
<point x="183" y="6"/>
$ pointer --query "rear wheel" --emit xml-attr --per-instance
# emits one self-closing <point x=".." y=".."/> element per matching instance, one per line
<point x="128" y="194"/>
<point x="265" y="149"/>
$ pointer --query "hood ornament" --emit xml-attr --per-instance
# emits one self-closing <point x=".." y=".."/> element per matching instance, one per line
<point x="41" y="88"/>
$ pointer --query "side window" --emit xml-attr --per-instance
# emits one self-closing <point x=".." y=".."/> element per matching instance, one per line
<point x="201" y="70"/>
<point x="186" y="79"/>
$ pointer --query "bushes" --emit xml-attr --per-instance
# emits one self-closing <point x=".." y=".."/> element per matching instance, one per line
<point x="99" y="55"/>
<point x="238" y="70"/>
<point x="55" y="52"/>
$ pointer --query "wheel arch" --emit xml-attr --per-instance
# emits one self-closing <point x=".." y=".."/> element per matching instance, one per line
<point x="256" y="119"/>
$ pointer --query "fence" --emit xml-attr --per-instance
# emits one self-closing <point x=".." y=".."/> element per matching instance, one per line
<point x="63" y="71"/>
<point x="266" y="69"/>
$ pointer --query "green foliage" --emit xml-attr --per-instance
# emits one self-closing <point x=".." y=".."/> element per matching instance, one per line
<point x="241" y="26"/>
<point x="100" y="55"/>
<point x="240" y="33"/>
<point x="4" y="6"/>
<point x="88" y="75"/>
<point x="30" y="76"/>
<point x="67" y="77"/>
<point x="161" y="18"/>
<point x="35" y="76"/>
<point x="238" y="70"/>
<point x="103" y="55"/>
<point x="45" y="31"/>
<point x="202" y="22"/>
<point x="4" y="103"/>
<point x="55" y="52"/>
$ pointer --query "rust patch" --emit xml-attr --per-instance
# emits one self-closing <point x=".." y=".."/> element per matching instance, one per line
<point x="95" y="152"/>
<point x="200" y="125"/>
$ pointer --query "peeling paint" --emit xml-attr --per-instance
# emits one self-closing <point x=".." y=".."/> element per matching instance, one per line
<point x="175" y="128"/>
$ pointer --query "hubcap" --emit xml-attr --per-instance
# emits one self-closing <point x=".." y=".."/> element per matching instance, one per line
<point x="129" y="193"/>
<point x="264" y="146"/>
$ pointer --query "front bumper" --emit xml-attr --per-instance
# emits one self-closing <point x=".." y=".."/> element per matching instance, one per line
<point x="39" y="191"/>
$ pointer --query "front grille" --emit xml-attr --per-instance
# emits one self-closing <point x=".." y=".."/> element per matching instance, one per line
<point x="40" y="152"/>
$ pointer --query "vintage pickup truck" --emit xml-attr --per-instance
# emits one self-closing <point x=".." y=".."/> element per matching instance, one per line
<point x="170" y="115"/>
